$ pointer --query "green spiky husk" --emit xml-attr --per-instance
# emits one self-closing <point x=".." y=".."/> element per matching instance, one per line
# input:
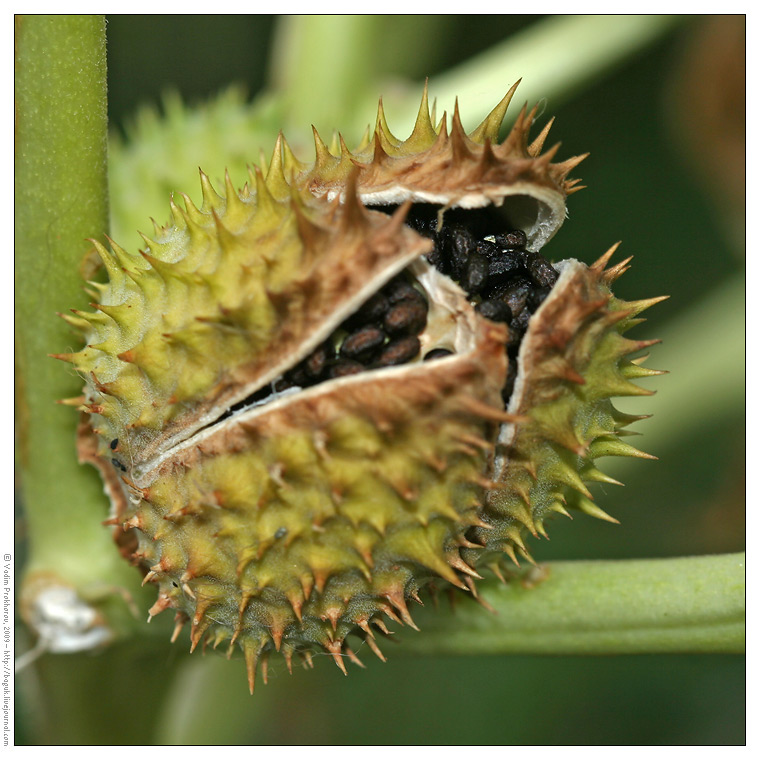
<point x="573" y="361"/>
<point x="293" y="525"/>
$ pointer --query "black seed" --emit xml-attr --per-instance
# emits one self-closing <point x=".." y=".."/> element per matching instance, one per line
<point x="399" y="351"/>
<point x="477" y="273"/>
<point x="281" y="533"/>
<point x="314" y="365"/>
<point x="400" y="289"/>
<point x="437" y="259"/>
<point x="344" y="367"/>
<point x="406" y="316"/>
<point x="522" y="319"/>
<point x="542" y="272"/>
<point x="504" y="265"/>
<point x="514" y="293"/>
<point x="281" y="385"/>
<point x="517" y="331"/>
<point x="372" y="311"/>
<point x="114" y="443"/>
<point x="298" y="376"/>
<point x="495" y="309"/>
<point x="488" y="249"/>
<point x="437" y="353"/>
<point x="513" y="239"/>
<point x="423" y="218"/>
<point x="460" y="244"/>
<point x="537" y="297"/>
<point x="362" y="342"/>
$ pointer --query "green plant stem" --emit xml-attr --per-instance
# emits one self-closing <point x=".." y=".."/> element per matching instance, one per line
<point x="685" y="605"/>
<point x="336" y="44"/>
<point x="108" y="697"/>
<point x="321" y="65"/>
<point x="688" y="604"/>
<point x="61" y="198"/>
<point x="231" y="717"/>
<point x="589" y="46"/>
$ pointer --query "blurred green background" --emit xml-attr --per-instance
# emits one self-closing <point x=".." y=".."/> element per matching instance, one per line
<point x="665" y="129"/>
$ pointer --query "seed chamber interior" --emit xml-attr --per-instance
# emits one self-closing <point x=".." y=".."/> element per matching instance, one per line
<point x="418" y="315"/>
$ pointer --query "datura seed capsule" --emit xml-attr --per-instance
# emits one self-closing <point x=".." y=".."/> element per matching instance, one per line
<point x="353" y="380"/>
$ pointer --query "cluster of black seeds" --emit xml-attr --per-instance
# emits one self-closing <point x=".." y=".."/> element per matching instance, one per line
<point x="382" y="333"/>
<point x="504" y="281"/>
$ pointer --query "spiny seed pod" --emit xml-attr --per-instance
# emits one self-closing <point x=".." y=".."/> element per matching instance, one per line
<point x="352" y="380"/>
